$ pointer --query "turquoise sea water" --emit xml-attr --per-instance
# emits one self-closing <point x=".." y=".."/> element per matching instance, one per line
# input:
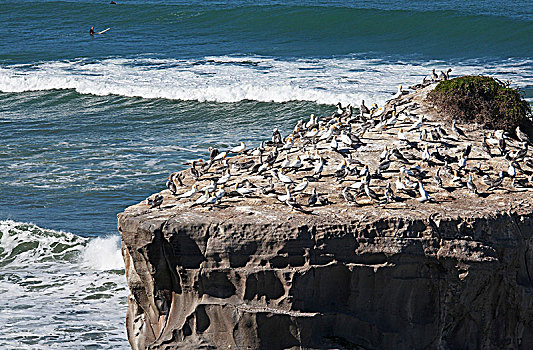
<point x="90" y="125"/>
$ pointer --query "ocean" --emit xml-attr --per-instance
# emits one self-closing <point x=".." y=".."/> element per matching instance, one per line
<point x="91" y="125"/>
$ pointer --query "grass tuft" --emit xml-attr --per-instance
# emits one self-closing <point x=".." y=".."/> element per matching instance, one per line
<point x="482" y="100"/>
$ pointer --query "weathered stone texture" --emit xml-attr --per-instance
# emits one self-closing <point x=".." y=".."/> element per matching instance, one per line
<point x="301" y="282"/>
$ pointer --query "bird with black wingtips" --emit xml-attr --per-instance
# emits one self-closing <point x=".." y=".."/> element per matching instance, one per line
<point x="522" y="136"/>
<point x="287" y="195"/>
<point x="364" y="109"/>
<point x="424" y="195"/>
<point x="201" y="200"/>
<point x="437" y="178"/>
<point x="486" y="147"/>
<point x="244" y="191"/>
<point x="155" y="201"/>
<point x="459" y="132"/>
<point x="471" y="185"/>
<point x="171" y="185"/>
<point x="348" y="196"/>
<point x="301" y="186"/>
<point x="276" y="136"/>
<point x="284" y="178"/>
<point x="189" y="193"/>
<point x="211" y="200"/>
<point x="370" y="192"/>
<point x="319" y="167"/>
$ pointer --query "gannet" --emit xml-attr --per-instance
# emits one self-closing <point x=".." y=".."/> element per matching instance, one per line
<point x="155" y="201"/>
<point x="424" y="196"/>
<point x="462" y="162"/>
<point x="220" y="193"/>
<point x="189" y="193"/>
<point x="417" y="124"/>
<point x="522" y="136"/>
<point x="201" y="200"/>
<point x="313" y="198"/>
<point x="402" y="135"/>
<point x="220" y="156"/>
<point x="289" y="143"/>
<point x="511" y="171"/>
<point x="364" y="171"/>
<point x="345" y="138"/>
<point x="364" y="109"/>
<point x="311" y="123"/>
<point x="286" y="196"/>
<point x="399" y="93"/>
<point x="301" y="186"/>
<point x="284" y="178"/>
<point x="238" y="149"/>
<point x="384" y="154"/>
<point x="211" y="200"/>
<point x="259" y="150"/>
<point x="244" y="191"/>
<point x="400" y="185"/>
<point x="334" y="145"/>
<point x="209" y="188"/>
<point x="471" y="185"/>
<point x="456" y="130"/>
<point x="224" y="178"/>
<point x="317" y="171"/>
<point x="311" y="133"/>
<point x="296" y="164"/>
<point x="327" y="134"/>
<point x="286" y="162"/>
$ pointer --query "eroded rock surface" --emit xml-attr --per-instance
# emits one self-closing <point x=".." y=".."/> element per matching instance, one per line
<point x="455" y="273"/>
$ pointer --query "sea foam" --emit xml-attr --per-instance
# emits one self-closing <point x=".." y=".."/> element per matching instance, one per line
<point x="237" y="78"/>
<point x="59" y="289"/>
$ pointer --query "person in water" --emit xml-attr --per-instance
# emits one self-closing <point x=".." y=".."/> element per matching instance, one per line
<point x="91" y="31"/>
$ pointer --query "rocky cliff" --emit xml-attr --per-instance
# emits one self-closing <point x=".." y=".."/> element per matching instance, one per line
<point x="453" y="272"/>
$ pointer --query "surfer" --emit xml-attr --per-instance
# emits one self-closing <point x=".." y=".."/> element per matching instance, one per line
<point x="91" y="31"/>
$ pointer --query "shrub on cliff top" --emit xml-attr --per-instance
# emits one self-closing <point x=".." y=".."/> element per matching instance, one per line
<point x="483" y="100"/>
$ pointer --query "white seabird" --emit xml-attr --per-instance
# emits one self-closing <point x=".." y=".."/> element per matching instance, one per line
<point x="238" y="149"/>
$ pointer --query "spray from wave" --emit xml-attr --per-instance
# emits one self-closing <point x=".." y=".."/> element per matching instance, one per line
<point x="59" y="289"/>
<point x="232" y="79"/>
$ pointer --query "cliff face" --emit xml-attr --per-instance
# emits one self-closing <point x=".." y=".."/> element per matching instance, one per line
<point x="266" y="282"/>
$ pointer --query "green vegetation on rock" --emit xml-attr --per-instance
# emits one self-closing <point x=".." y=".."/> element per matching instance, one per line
<point x="483" y="100"/>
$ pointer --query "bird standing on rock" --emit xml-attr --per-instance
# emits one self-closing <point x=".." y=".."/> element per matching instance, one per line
<point x="522" y="136"/>
<point x="456" y="130"/>
<point x="155" y="201"/>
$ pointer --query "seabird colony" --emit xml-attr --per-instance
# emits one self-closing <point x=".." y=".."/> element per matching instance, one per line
<point x="379" y="156"/>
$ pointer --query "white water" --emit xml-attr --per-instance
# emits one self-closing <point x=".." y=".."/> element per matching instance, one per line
<point x="60" y="290"/>
<point x="232" y="79"/>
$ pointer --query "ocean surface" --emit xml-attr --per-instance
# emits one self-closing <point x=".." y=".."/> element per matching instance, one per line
<point x="91" y="125"/>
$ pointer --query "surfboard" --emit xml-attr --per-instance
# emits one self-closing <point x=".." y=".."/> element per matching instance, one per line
<point x="103" y="31"/>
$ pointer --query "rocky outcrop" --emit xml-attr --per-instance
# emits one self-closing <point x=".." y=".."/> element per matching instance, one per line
<point x="453" y="272"/>
<point x="257" y="282"/>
